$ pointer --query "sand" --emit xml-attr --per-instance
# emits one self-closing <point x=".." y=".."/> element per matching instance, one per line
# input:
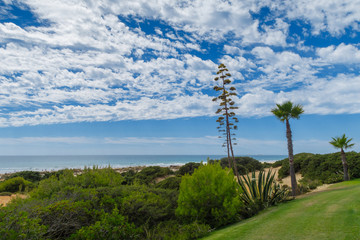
<point x="6" y="199"/>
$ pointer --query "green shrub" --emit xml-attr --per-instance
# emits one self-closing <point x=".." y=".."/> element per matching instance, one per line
<point x="111" y="226"/>
<point x="326" y="168"/>
<point x="129" y="177"/>
<point x="31" y="176"/>
<point x="142" y="204"/>
<point x="170" y="183"/>
<point x="188" y="168"/>
<point x="210" y="195"/>
<point x="16" y="184"/>
<point x="90" y="178"/>
<point x="149" y="174"/>
<point x="19" y="226"/>
<point x="64" y="218"/>
<point x="278" y="163"/>
<point x="244" y="164"/>
<point x="5" y="193"/>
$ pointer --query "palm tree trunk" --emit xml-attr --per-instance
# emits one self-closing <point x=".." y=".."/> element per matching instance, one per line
<point x="291" y="158"/>
<point x="345" y="165"/>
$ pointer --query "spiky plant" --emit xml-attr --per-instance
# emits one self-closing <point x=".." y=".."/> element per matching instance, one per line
<point x="343" y="143"/>
<point x="227" y="120"/>
<point x="261" y="192"/>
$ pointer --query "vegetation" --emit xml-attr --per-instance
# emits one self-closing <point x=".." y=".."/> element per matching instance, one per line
<point x="16" y="184"/>
<point x="284" y="112"/>
<point x="210" y="196"/>
<point x="261" y="192"/>
<point x="98" y="204"/>
<point x="103" y="204"/>
<point x="188" y="168"/>
<point x="227" y="119"/>
<point x="321" y="168"/>
<point x="243" y="164"/>
<point x="343" y="143"/>
<point x="325" y="215"/>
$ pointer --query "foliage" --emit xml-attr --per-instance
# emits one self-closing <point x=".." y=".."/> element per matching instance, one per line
<point x="31" y="176"/>
<point x="111" y="226"/>
<point x="298" y="159"/>
<point x="5" y="193"/>
<point x="16" y="184"/>
<point x="244" y="164"/>
<point x="129" y="177"/>
<point x="342" y="142"/>
<point x="90" y="178"/>
<point x="261" y="192"/>
<point x="19" y="226"/>
<point x="149" y="174"/>
<point x="210" y="196"/>
<point x="148" y="205"/>
<point x="64" y="218"/>
<point x="188" y="168"/>
<point x="327" y="168"/>
<point x="170" y="183"/>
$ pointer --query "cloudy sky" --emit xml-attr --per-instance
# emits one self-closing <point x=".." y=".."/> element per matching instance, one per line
<point x="136" y="77"/>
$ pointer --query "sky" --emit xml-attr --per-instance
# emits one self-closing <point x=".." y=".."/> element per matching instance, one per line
<point x="136" y="77"/>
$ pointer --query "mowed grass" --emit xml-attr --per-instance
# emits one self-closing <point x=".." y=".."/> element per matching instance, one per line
<point x="332" y="214"/>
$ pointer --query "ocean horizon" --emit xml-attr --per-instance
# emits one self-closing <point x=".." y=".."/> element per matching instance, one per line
<point x="12" y="163"/>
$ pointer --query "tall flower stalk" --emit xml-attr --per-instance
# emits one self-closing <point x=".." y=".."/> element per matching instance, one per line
<point x="227" y="118"/>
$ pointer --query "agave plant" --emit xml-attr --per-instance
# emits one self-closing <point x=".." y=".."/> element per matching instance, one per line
<point x="263" y="191"/>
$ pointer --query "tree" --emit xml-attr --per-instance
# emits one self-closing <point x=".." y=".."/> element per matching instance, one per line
<point x="227" y="119"/>
<point x="284" y="112"/>
<point x="343" y="143"/>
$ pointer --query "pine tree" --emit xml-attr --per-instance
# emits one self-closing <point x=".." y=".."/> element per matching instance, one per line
<point x="228" y="118"/>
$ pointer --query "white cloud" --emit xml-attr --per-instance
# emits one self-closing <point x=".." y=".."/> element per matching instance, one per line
<point x="88" y="65"/>
<point x="342" y="54"/>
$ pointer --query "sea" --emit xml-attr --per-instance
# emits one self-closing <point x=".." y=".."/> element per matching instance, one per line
<point x="10" y="164"/>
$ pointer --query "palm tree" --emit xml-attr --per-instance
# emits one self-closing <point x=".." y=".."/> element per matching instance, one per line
<point x="284" y="112"/>
<point x="343" y="143"/>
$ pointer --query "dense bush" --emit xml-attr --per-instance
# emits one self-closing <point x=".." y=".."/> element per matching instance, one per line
<point x="90" y="178"/>
<point x="188" y="168"/>
<point x="16" y="184"/>
<point x="244" y="164"/>
<point x="170" y="183"/>
<point x="284" y="171"/>
<point x="327" y="168"/>
<point x="19" y="226"/>
<point x="64" y="218"/>
<point x="31" y="176"/>
<point x="143" y="205"/>
<point x="111" y="226"/>
<point x="149" y="174"/>
<point x="210" y="196"/>
<point x="129" y="177"/>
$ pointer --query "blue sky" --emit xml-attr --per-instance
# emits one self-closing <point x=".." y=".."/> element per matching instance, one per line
<point x="136" y="77"/>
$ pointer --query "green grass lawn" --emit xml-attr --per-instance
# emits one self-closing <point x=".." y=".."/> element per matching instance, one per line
<point x="332" y="214"/>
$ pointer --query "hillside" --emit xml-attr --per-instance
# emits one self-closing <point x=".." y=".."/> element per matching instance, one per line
<point x="332" y="214"/>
